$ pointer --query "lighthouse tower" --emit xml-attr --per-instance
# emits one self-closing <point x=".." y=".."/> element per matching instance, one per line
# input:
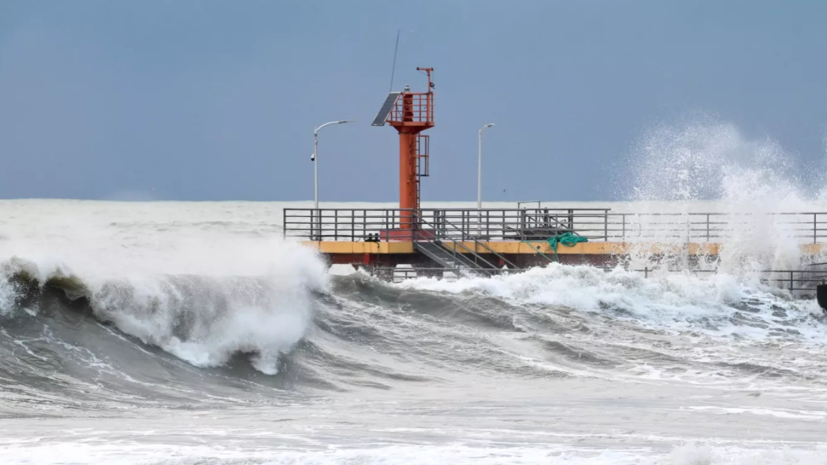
<point x="410" y="113"/>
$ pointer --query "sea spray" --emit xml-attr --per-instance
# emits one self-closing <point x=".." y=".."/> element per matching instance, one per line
<point x="669" y="301"/>
<point x="202" y="298"/>
<point x="205" y="320"/>
<point x="753" y="183"/>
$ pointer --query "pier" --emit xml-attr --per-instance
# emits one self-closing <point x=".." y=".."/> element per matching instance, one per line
<point x="495" y="241"/>
<point x="411" y="241"/>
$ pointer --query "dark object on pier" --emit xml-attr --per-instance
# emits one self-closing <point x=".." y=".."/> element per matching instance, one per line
<point x="821" y="296"/>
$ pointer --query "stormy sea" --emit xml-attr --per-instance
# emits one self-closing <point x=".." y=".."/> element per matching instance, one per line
<point x="194" y="333"/>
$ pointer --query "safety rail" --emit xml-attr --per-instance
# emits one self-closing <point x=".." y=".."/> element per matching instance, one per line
<point x="388" y="224"/>
<point x="354" y="225"/>
<point x="413" y="107"/>
<point x="477" y="244"/>
<point x="401" y="273"/>
<point x="439" y="235"/>
<point x="798" y="282"/>
<point x="791" y="280"/>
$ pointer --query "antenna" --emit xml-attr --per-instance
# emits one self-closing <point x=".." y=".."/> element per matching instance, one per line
<point x="393" y="69"/>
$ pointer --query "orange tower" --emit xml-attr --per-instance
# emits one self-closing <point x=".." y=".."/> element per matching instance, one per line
<point x="410" y="113"/>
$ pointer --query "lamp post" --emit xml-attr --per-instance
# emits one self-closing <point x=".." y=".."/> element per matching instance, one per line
<point x="479" y="178"/>
<point x="314" y="159"/>
<point x="316" y="216"/>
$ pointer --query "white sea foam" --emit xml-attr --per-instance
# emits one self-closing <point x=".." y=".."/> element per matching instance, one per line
<point x="201" y="295"/>
<point x="751" y="180"/>
<point x="669" y="300"/>
<point x="689" y="454"/>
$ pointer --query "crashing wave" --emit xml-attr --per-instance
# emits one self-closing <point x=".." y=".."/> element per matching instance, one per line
<point x="203" y="319"/>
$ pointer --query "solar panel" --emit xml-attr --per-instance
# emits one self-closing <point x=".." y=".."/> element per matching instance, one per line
<point x="386" y="108"/>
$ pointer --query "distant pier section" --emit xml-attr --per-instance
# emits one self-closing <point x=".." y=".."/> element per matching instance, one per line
<point x="494" y="241"/>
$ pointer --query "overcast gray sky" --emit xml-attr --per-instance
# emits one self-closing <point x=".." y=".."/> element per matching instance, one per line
<point x="217" y="100"/>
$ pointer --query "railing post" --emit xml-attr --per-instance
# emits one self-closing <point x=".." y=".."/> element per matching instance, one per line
<point x="646" y="272"/>
<point x="707" y="227"/>
<point x="605" y="226"/>
<point x="522" y="224"/>
<point x="791" y="282"/>
<point x="314" y="214"/>
<point x="815" y="228"/>
<point x="416" y="220"/>
<point x="623" y="234"/>
<point x="688" y="228"/>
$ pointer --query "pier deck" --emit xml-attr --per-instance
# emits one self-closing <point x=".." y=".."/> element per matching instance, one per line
<point x="518" y="238"/>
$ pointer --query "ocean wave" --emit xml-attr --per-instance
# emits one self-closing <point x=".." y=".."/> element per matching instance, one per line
<point x="719" y="303"/>
<point x="204" y="319"/>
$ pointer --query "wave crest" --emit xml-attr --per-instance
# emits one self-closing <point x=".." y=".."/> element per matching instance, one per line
<point x="203" y="319"/>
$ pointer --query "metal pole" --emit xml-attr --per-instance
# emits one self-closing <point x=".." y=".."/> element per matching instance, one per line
<point x="316" y="158"/>
<point x="479" y="177"/>
<point x="479" y="171"/>
<point x="623" y="215"/>
<point x="315" y="169"/>
<point x="707" y="227"/>
<point x="605" y="226"/>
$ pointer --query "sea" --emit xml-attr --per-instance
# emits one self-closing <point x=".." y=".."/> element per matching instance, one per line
<point x="195" y="333"/>
<point x="189" y="333"/>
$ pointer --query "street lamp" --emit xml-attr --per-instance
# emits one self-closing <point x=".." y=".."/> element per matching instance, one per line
<point x="314" y="158"/>
<point x="479" y="178"/>
<point x="479" y="169"/>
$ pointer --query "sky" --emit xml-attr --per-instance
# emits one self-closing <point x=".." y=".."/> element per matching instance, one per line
<point x="217" y="100"/>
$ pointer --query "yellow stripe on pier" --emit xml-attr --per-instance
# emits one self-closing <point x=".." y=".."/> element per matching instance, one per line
<point x="514" y="247"/>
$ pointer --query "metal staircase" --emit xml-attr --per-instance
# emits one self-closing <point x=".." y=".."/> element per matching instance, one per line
<point x="455" y="255"/>
<point x="455" y="262"/>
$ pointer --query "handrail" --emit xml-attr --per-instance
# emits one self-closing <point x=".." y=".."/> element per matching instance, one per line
<point x="456" y="243"/>
<point x="521" y="224"/>
<point x="505" y="260"/>
<point x="478" y="243"/>
<point x="785" y="279"/>
<point x="539" y="252"/>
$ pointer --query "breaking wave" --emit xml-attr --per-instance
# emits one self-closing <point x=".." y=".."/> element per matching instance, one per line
<point x="257" y="303"/>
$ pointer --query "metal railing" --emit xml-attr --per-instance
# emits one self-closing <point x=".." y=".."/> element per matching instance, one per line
<point x="802" y="280"/>
<point x="440" y="233"/>
<point x="797" y="282"/>
<point x="413" y="107"/>
<point x="717" y="227"/>
<point x="354" y="225"/>
<point x="540" y="223"/>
